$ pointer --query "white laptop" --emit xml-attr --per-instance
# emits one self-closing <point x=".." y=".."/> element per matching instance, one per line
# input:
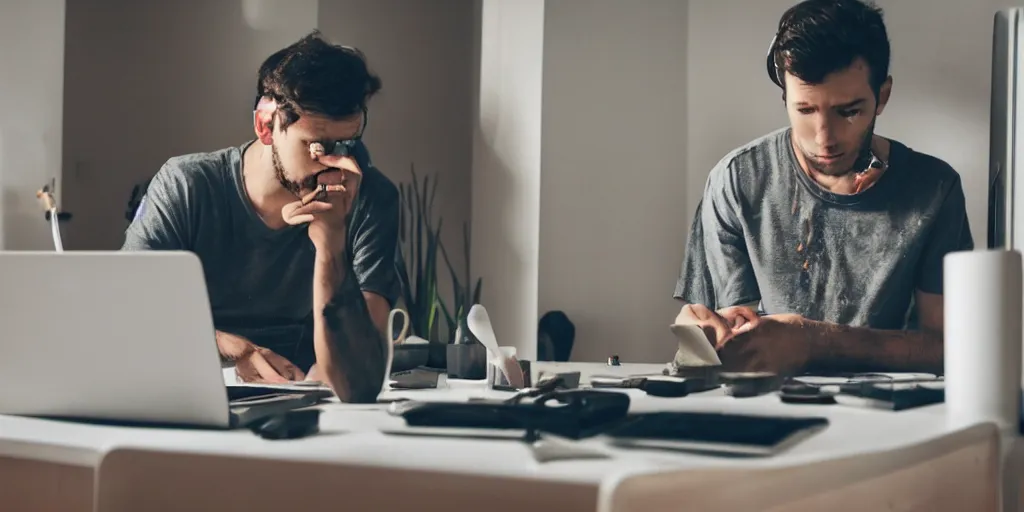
<point x="126" y="337"/>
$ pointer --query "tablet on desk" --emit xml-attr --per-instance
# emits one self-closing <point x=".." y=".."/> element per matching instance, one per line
<point x="713" y="433"/>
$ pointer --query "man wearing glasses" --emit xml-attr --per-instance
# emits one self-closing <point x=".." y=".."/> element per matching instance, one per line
<point x="296" y="230"/>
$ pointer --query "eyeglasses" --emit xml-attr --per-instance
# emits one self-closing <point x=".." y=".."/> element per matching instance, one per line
<point x="343" y="147"/>
<point x="339" y="147"/>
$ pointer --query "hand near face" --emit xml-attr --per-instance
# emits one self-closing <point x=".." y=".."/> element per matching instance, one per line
<point x="777" y="343"/>
<point x="326" y="209"/>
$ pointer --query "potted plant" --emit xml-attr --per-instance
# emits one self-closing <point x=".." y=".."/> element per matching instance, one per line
<point x="420" y="243"/>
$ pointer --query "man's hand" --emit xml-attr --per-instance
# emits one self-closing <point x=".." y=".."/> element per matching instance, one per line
<point x="719" y="326"/>
<point x="326" y="209"/>
<point x="265" y="366"/>
<point x="777" y="343"/>
<point x="254" y="363"/>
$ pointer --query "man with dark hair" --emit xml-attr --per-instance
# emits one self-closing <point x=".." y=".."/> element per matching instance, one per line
<point x="296" y="230"/>
<point x="819" y="247"/>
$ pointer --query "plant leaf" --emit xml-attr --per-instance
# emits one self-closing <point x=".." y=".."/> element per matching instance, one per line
<point x="401" y="213"/>
<point x="449" y="320"/>
<point x="433" y="193"/>
<point x="476" y="292"/>
<point x="431" y="278"/>
<point x="403" y="278"/>
<point x="457" y="291"/>
<point x="465" y="249"/>
<point x="420" y="255"/>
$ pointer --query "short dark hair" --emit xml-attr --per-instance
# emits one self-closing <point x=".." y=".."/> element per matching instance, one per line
<point x="819" y="37"/>
<point x="313" y="76"/>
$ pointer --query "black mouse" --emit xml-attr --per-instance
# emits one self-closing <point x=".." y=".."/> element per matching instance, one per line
<point x="289" y="425"/>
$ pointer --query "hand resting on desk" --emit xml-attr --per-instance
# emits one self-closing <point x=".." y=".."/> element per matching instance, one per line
<point x="254" y="363"/>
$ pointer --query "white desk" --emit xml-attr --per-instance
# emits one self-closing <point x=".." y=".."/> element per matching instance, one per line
<point x="434" y="470"/>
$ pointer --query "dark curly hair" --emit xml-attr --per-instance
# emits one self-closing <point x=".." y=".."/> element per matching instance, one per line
<point x="819" y="37"/>
<point x="313" y="76"/>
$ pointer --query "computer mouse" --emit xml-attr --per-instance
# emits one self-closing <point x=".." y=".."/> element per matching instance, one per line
<point x="289" y="425"/>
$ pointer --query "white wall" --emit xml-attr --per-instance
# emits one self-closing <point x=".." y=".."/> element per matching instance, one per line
<point x="31" y="102"/>
<point x="613" y="180"/>
<point x="507" y="167"/>
<point x="941" y="65"/>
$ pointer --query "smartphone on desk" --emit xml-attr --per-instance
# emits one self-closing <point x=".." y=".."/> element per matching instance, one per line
<point x="714" y="433"/>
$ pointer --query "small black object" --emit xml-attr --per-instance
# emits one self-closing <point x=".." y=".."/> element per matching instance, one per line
<point x="556" y="335"/>
<point x="289" y="425"/>
<point x="613" y="361"/>
<point x="714" y="433"/>
<point x="568" y="380"/>
<point x="893" y="396"/>
<point x="798" y="393"/>
<point x="61" y="216"/>
<point x="666" y="388"/>
<point x="574" y="413"/>
<point x="749" y="384"/>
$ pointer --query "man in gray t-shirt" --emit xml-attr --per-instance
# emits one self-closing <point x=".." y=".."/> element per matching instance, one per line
<point x="296" y="230"/>
<point x="820" y="246"/>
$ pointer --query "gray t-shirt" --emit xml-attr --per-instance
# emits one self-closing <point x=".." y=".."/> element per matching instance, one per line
<point x="766" y="232"/>
<point x="259" y="280"/>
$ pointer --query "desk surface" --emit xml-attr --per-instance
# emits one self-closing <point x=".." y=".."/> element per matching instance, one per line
<point x="350" y="435"/>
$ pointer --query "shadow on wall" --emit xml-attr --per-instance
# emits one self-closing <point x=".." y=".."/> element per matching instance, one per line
<point x="501" y="260"/>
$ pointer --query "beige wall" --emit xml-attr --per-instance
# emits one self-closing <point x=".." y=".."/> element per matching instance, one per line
<point x="613" y="181"/>
<point x="31" y="72"/>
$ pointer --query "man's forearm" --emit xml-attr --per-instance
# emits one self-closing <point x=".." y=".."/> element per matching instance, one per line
<point x="841" y="348"/>
<point x="349" y="348"/>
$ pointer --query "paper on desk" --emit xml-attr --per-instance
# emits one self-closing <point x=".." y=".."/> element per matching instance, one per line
<point x="694" y="348"/>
